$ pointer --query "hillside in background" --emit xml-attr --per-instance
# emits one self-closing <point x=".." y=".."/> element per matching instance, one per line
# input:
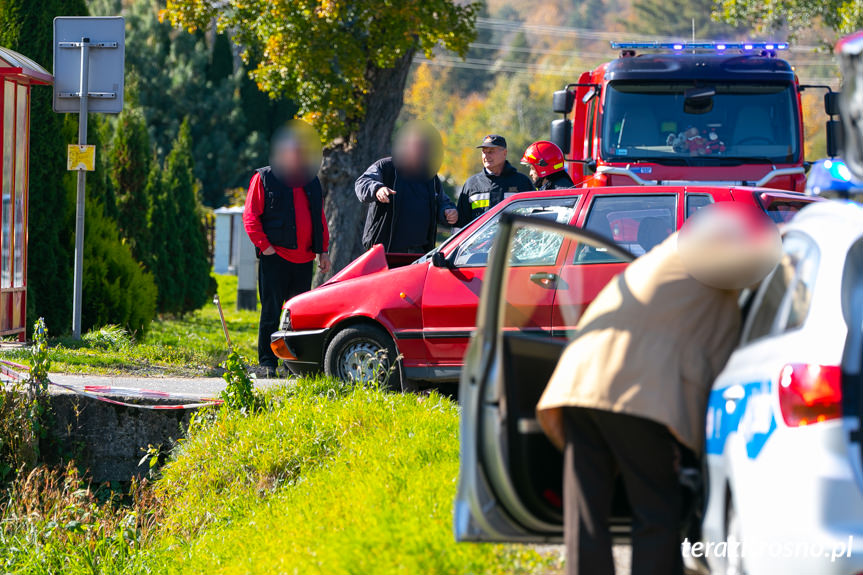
<point x="525" y="51"/>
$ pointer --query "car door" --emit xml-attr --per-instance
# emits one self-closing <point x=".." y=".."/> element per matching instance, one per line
<point x="852" y="357"/>
<point x="452" y="291"/>
<point x="510" y="475"/>
<point x="635" y="222"/>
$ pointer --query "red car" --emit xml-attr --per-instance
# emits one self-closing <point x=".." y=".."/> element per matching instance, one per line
<point x="424" y="313"/>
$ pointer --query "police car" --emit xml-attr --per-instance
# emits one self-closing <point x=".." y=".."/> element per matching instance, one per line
<point x="783" y="442"/>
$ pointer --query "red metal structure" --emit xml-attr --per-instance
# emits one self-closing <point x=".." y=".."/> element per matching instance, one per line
<point x="17" y="75"/>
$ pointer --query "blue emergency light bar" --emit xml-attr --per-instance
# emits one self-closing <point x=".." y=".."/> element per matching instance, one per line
<point x="712" y="46"/>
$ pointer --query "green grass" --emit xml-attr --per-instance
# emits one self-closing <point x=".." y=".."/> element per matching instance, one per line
<point x="192" y="345"/>
<point x="329" y="478"/>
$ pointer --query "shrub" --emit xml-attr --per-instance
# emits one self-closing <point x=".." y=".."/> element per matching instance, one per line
<point x="117" y="290"/>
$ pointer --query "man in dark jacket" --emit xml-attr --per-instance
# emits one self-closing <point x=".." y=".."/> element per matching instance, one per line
<point x="497" y="181"/>
<point x="406" y="196"/>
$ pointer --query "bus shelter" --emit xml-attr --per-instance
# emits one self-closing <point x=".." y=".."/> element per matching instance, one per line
<point x="18" y="74"/>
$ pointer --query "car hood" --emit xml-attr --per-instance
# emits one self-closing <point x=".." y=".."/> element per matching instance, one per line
<point x="371" y="262"/>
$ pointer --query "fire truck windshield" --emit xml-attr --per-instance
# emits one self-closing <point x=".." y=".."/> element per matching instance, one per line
<point x="733" y="122"/>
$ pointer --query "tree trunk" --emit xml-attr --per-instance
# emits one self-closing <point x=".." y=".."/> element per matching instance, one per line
<point x="344" y="162"/>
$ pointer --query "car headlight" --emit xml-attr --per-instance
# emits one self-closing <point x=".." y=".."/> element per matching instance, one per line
<point x="285" y="320"/>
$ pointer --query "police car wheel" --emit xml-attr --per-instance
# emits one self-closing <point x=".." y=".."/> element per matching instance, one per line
<point x="364" y="353"/>
<point x="733" y="561"/>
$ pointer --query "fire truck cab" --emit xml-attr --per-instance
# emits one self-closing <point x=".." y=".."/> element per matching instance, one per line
<point x="706" y="113"/>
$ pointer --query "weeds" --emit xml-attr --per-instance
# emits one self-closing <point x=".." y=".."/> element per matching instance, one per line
<point x="53" y="522"/>
<point x="239" y="393"/>
<point x="23" y="407"/>
<point x="109" y="338"/>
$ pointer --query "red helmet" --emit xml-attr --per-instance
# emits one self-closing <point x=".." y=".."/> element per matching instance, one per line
<point x="545" y="157"/>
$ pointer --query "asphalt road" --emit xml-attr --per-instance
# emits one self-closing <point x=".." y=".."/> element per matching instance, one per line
<point x="190" y="387"/>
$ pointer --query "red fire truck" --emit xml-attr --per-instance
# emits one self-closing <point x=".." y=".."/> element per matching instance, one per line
<point x="706" y="113"/>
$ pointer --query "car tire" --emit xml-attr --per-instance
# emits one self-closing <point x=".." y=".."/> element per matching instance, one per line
<point x="733" y="561"/>
<point x="364" y="353"/>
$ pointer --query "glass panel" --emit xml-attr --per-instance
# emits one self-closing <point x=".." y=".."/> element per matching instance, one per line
<point x="803" y="254"/>
<point x="635" y="223"/>
<point x="8" y="167"/>
<point x="742" y="123"/>
<point x="771" y="296"/>
<point x="531" y="249"/>
<point x="695" y="202"/>
<point x="781" y="211"/>
<point x="21" y="145"/>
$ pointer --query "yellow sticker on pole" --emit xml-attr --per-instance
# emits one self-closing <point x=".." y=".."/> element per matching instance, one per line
<point x="81" y="158"/>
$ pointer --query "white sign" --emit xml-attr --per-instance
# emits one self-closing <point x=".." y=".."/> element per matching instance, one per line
<point x="105" y="38"/>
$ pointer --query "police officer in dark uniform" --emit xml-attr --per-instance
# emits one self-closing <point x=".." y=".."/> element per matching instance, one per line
<point x="547" y="166"/>
<point x="496" y="182"/>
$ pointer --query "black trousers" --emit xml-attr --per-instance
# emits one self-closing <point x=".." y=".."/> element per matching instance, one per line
<point x="278" y="281"/>
<point x="599" y="446"/>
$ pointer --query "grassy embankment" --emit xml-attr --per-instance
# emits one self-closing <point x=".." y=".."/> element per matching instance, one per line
<point x="192" y="345"/>
<point x="328" y="478"/>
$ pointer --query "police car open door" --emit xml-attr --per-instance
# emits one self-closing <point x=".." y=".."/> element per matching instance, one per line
<point x="852" y="357"/>
<point x="510" y="475"/>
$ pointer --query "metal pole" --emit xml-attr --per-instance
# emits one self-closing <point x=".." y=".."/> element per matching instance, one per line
<point x="218" y="303"/>
<point x="82" y="177"/>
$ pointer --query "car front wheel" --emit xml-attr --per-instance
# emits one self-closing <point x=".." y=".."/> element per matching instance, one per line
<point x="364" y="353"/>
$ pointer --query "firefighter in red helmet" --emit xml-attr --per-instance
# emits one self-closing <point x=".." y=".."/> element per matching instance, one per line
<point x="547" y="167"/>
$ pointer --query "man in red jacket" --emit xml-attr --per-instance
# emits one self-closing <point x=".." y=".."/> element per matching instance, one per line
<point x="285" y="220"/>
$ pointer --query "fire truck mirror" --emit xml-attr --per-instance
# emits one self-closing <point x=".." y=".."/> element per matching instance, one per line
<point x="698" y="100"/>
<point x="563" y="101"/>
<point x="561" y="134"/>
<point x="831" y="103"/>
<point x="834" y="138"/>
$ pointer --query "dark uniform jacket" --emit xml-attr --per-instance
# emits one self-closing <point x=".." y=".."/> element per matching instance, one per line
<point x="388" y="223"/>
<point x="483" y="191"/>
<point x="556" y="181"/>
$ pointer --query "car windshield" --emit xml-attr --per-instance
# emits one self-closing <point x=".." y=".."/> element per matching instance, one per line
<point x="427" y="257"/>
<point x="719" y="124"/>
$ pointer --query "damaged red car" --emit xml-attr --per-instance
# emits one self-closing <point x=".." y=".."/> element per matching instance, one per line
<point x="409" y="325"/>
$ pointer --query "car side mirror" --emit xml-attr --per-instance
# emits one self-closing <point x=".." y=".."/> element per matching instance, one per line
<point x="440" y="261"/>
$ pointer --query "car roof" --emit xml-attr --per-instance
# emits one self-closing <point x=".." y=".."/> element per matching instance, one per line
<point x="635" y="189"/>
<point x="833" y="223"/>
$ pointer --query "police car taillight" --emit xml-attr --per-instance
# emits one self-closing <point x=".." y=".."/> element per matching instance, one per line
<point x="810" y="393"/>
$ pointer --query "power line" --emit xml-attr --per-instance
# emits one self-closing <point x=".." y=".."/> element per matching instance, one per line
<point x="828" y="59"/>
<point x="587" y="33"/>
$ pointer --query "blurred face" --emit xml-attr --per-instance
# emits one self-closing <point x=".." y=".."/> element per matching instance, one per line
<point x="493" y="159"/>
<point x="295" y="153"/>
<point x="418" y="149"/>
<point x="729" y="245"/>
<point x="533" y="175"/>
<point x="413" y="152"/>
<point x="289" y="157"/>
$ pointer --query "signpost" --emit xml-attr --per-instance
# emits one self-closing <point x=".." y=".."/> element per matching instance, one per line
<point x="89" y="54"/>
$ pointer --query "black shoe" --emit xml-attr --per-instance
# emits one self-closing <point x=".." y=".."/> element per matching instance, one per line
<point x="266" y="371"/>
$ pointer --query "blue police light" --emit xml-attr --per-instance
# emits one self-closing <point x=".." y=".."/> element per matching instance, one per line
<point x="709" y="46"/>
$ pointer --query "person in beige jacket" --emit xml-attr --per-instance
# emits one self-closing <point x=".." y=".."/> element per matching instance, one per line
<point x="633" y="384"/>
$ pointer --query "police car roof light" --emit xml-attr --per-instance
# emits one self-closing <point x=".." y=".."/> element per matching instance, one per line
<point x="706" y="46"/>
